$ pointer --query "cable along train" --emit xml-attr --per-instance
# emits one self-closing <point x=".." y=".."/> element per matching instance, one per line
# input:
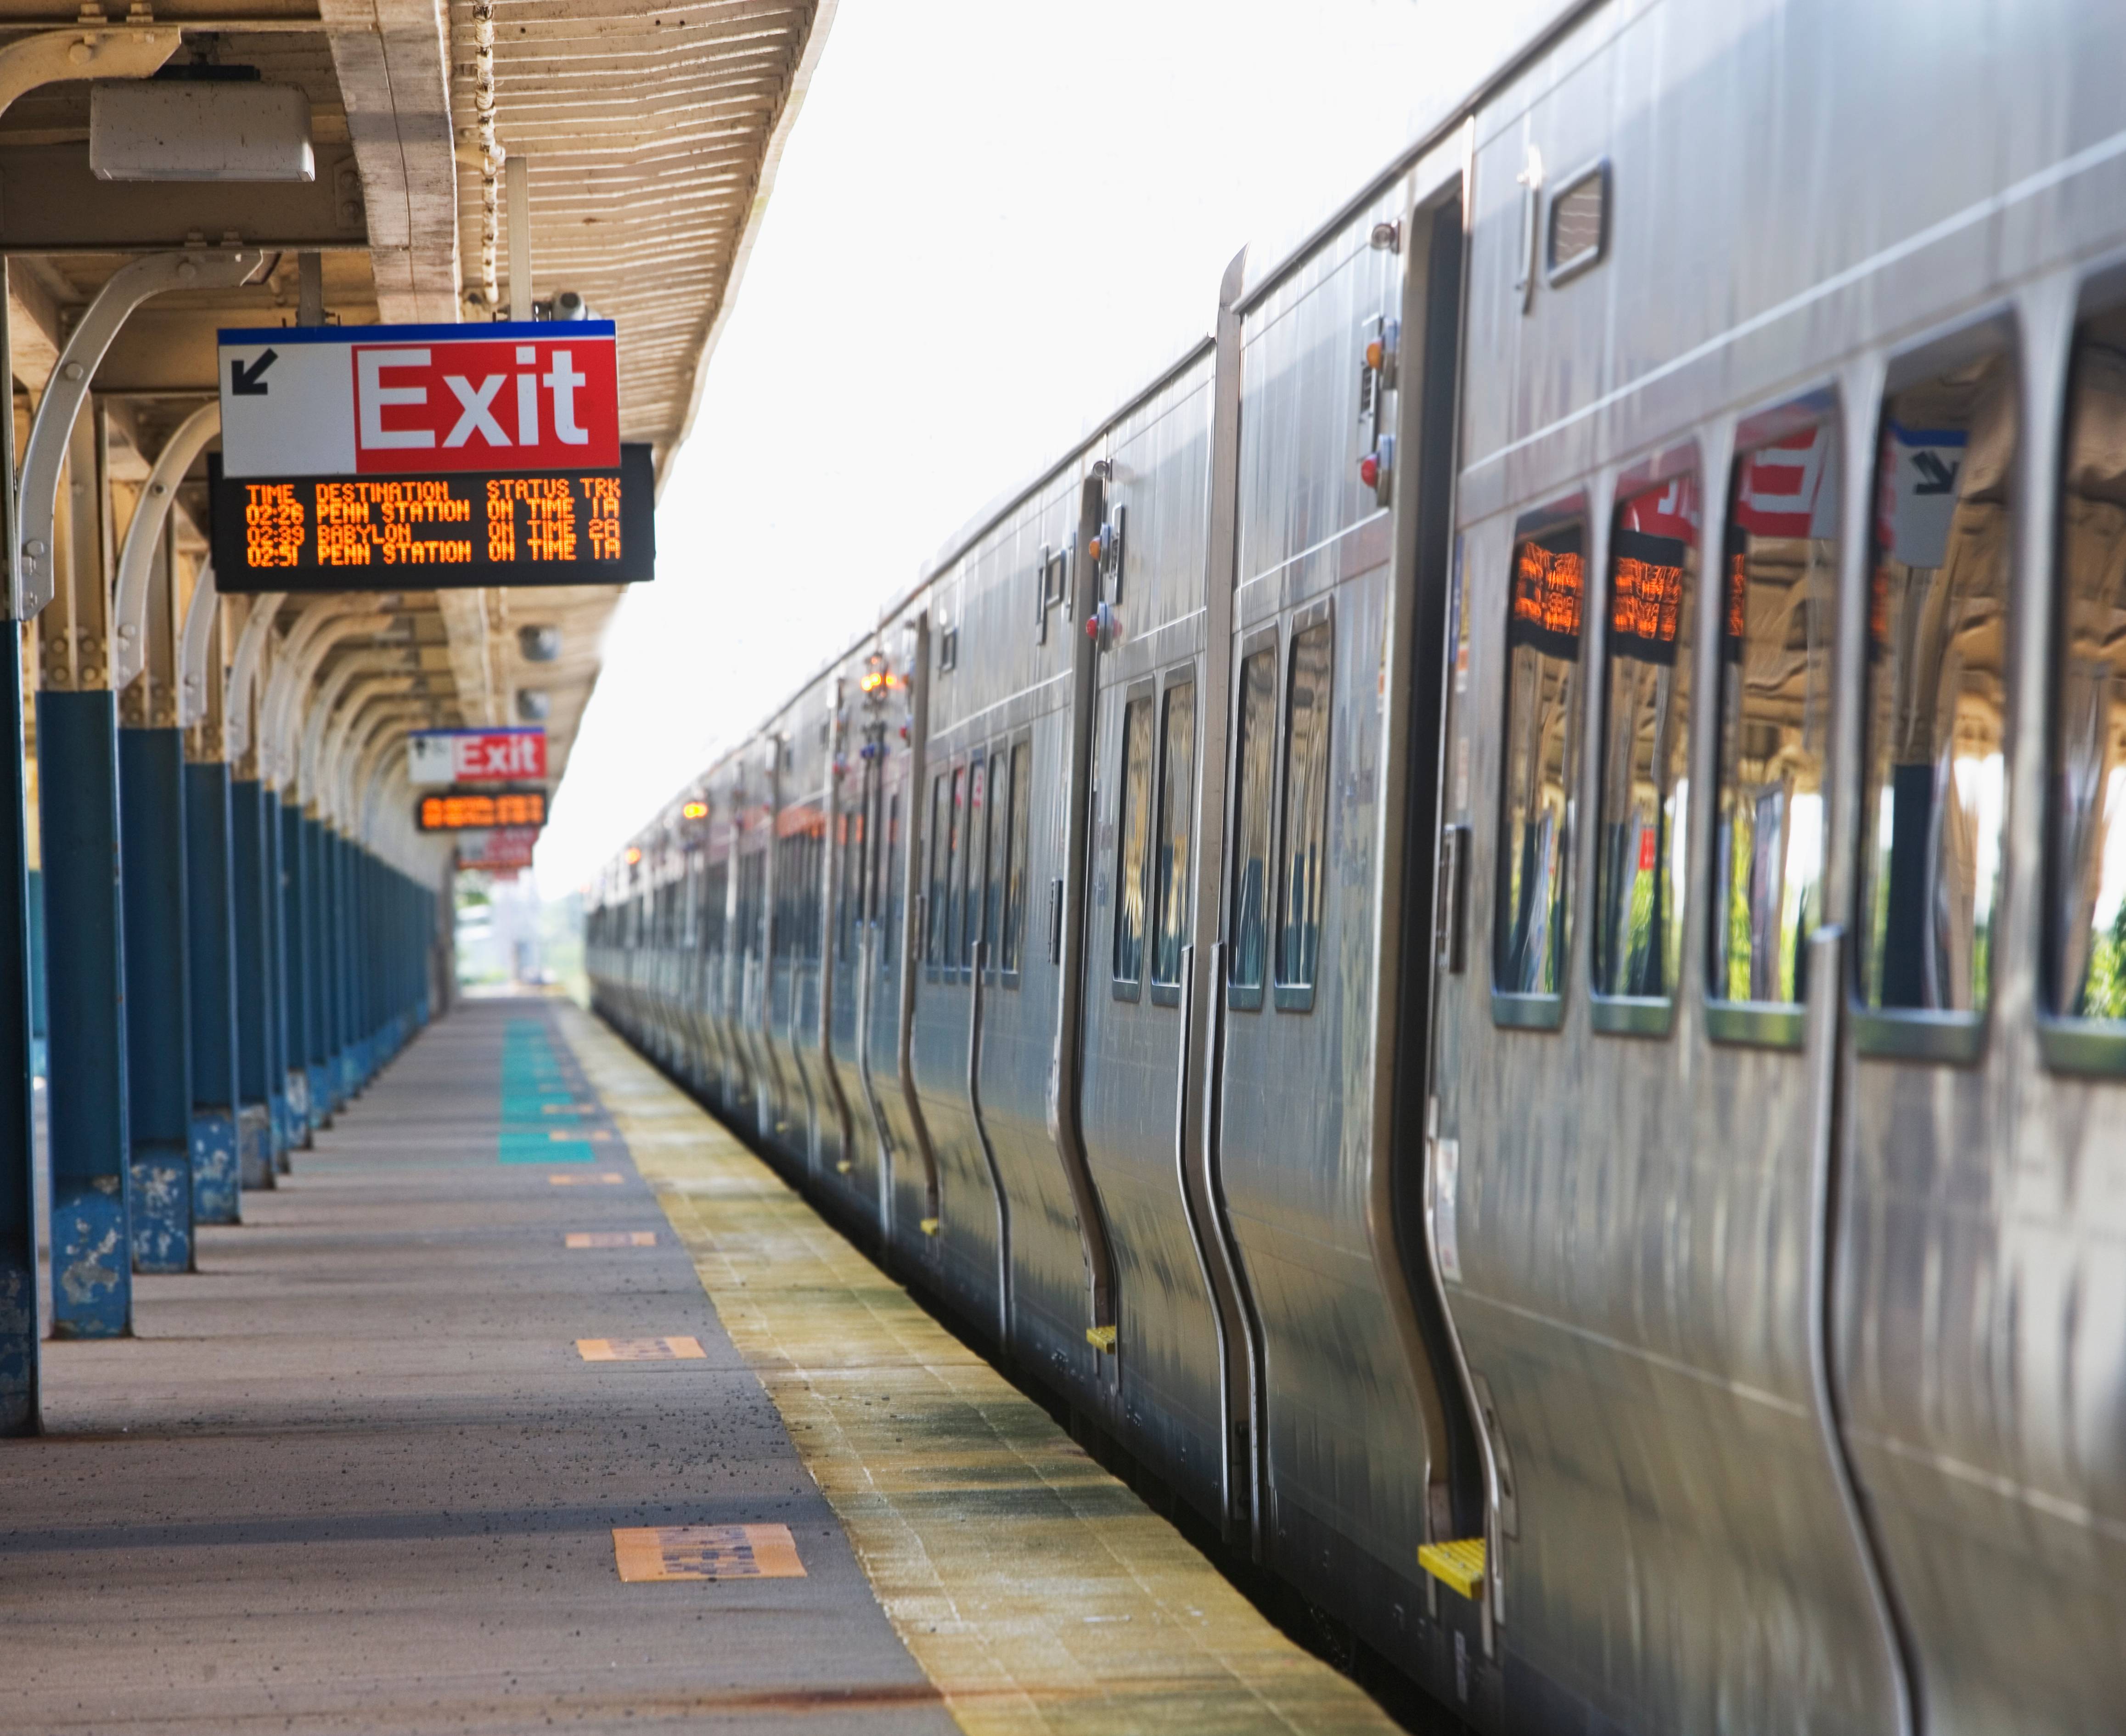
<point x="1493" y="926"/>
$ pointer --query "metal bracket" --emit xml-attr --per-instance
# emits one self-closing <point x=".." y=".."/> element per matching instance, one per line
<point x="136" y="558"/>
<point x="192" y="645"/>
<point x="115" y="303"/>
<point x="244" y="672"/>
<point x="52" y="56"/>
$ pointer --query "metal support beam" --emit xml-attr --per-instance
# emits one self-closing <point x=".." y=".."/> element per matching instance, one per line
<point x="152" y="839"/>
<point x="250" y="886"/>
<point x="218" y="1173"/>
<point x="144" y="540"/>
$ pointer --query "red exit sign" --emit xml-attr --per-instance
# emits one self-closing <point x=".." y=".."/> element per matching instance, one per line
<point x="403" y="400"/>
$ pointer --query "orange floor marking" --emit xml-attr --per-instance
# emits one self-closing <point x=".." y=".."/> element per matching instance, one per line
<point x="570" y="1182"/>
<point x="707" y="1552"/>
<point x="640" y="1349"/>
<point x="611" y="1239"/>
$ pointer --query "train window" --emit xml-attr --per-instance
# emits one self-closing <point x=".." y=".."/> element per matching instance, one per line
<point x="941" y="864"/>
<point x="1779" y="602"/>
<point x="717" y="889"/>
<point x="1251" y="834"/>
<point x="1541" y="760"/>
<point x="1132" y="842"/>
<point x="977" y="870"/>
<point x="996" y="817"/>
<point x="1934" y="798"/>
<point x="1645" y="753"/>
<point x="1308" y="712"/>
<point x="2086" y="950"/>
<point x="1579" y="223"/>
<point x="1177" y="818"/>
<point x="886" y="867"/>
<point x="1014" y="897"/>
<point x="957" y="851"/>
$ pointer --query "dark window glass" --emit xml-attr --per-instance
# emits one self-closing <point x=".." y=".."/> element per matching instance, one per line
<point x="1022" y="800"/>
<point x="1646" y="761"/>
<point x="888" y="867"/>
<point x="716" y="888"/>
<point x="1779" y="602"/>
<point x="996" y="823"/>
<point x="973" y="836"/>
<point x="2086" y="964"/>
<point x="1937" y="689"/>
<point x="1132" y="841"/>
<point x="1257" y="760"/>
<point x="941" y="865"/>
<point x="752" y="880"/>
<point x="1541" y="761"/>
<point x="1308" y="713"/>
<point x="1177" y="817"/>
<point x="955" y="869"/>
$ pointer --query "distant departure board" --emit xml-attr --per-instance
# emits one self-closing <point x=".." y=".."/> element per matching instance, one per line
<point x="477" y="810"/>
<point x="436" y="531"/>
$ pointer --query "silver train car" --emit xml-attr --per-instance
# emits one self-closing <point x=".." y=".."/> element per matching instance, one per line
<point x="1491" y="929"/>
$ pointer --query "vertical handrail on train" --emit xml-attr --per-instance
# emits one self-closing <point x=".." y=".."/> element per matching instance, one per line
<point x="989" y="1151"/>
<point x="866" y="916"/>
<point x="1066" y="1066"/>
<point x="1202" y="973"/>
<point x="919" y="742"/>
<point x="830" y="880"/>
<point x="767" y="1074"/>
<point x="730" y="973"/>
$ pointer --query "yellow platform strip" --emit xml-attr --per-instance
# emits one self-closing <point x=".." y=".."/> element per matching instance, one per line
<point x="1036" y="1591"/>
<point x="1458" y="1565"/>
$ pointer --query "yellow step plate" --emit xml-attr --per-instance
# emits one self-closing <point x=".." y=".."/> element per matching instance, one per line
<point x="1458" y="1565"/>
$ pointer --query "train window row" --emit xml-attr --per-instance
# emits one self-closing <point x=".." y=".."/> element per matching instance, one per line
<point x="1934" y="719"/>
<point x="977" y="843"/>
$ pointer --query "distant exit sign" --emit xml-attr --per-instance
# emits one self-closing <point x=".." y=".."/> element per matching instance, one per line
<point x="428" y="457"/>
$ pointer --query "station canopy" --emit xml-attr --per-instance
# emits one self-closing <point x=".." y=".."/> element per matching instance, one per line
<point x="649" y="134"/>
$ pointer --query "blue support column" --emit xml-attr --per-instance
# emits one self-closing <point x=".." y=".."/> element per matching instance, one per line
<point x="151" y="786"/>
<point x="210" y="848"/>
<point x="251" y="879"/>
<point x="18" y="1208"/>
<point x="295" y="961"/>
<point x="353" y="1076"/>
<point x="316" y="966"/>
<point x="276" y="978"/>
<point x="92" y="1182"/>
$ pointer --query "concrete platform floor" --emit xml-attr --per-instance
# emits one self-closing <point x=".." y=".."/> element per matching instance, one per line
<point x="352" y="1475"/>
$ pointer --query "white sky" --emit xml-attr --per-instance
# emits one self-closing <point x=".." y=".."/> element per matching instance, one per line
<point x="993" y="220"/>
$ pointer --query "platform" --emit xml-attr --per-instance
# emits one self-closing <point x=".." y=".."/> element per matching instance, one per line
<point x="362" y="1472"/>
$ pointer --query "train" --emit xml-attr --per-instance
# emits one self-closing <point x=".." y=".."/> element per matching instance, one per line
<point x="1490" y="928"/>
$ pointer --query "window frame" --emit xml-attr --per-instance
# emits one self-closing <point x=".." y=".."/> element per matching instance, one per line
<point x="1298" y="997"/>
<point x="1005" y="749"/>
<point x="1181" y="675"/>
<point x="2071" y="1044"/>
<point x="1249" y="997"/>
<point x="1650" y="1016"/>
<point x="1514" y="1008"/>
<point x="1143" y="691"/>
<point x="937" y="827"/>
<point x="1942" y="1036"/>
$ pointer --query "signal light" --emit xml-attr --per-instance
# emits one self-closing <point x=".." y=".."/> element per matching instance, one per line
<point x="633" y="855"/>
<point x="1373" y="354"/>
<point x="1369" y="469"/>
<point x="695" y="810"/>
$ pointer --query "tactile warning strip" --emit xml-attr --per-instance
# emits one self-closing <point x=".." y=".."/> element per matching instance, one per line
<point x="1038" y="1592"/>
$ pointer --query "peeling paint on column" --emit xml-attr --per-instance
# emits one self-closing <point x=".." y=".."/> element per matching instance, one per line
<point x="214" y="1176"/>
<point x="91" y="1277"/>
<point x="254" y="1145"/>
<point x="162" y="1211"/>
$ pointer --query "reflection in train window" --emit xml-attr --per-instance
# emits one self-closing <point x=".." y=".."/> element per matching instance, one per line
<point x="1542" y="755"/>
<point x="1777" y="611"/>
<point x="940" y="866"/>
<point x="1177" y="784"/>
<point x="886" y="899"/>
<point x="2086" y="949"/>
<point x="1257" y="752"/>
<point x="1132" y="841"/>
<point x="967" y="881"/>
<point x="1932" y="806"/>
<point x="1646" y="752"/>
<point x="1307" y="714"/>
<point x="996" y="815"/>
<point x="1014" y="897"/>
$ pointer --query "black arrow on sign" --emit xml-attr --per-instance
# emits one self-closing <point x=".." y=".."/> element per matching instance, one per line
<point x="243" y="382"/>
<point x="1935" y="477"/>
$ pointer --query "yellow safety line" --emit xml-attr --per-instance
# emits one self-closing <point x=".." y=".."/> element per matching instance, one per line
<point x="1036" y="1593"/>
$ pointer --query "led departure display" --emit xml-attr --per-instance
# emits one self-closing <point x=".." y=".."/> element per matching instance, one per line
<point x="479" y="810"/>
<point x="435" y="532"/>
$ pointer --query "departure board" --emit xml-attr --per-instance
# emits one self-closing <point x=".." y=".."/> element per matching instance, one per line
<point x="478" y="811"/>
<point x="436" y="531"/>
